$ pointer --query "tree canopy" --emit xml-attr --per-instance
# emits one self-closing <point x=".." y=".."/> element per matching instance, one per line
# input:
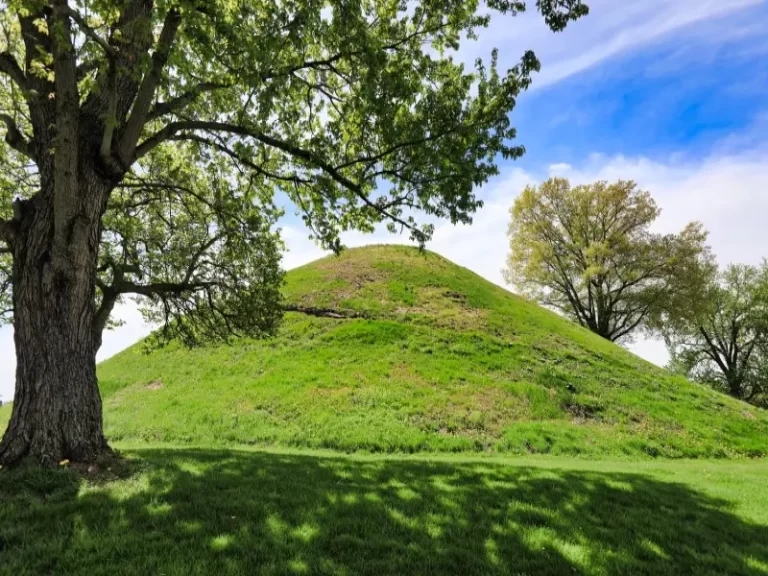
<point x="588" y="252"/>
<point x="198" y="113"/>
<point x="723" y="340"/>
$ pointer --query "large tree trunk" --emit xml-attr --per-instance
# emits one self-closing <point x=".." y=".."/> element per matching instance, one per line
<point x="57" y="407"/>
<point x="736" y="386"/>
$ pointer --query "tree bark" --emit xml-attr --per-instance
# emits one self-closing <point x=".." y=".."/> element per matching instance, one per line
<point x="57" y="406"/>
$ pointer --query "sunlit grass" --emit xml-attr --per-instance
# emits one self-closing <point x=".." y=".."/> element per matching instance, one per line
<point x="180" y="512"/>
<point x="446" y="362"/>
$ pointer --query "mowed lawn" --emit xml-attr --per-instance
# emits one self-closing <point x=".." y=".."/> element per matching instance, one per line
<point x="182" y="511"/>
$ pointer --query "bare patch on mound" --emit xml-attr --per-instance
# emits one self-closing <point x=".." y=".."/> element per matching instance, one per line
<point x="581" y="412"/>
<point x="477" y="412"/>
<point x="445" y="309"/>
<point x="329" y="392"/>
<point x="405" y="373"/>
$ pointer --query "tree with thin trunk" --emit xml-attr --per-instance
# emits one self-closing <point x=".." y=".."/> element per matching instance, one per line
<point x="588" y="252"/>
<point x="146" y="140"/>
<point x="722" y="341"/>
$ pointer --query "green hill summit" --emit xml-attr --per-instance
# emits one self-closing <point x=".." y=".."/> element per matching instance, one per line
<point x="386" y="348"/>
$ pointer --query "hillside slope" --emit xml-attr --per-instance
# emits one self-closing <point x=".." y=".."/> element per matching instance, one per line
<point x="413" y="353"/>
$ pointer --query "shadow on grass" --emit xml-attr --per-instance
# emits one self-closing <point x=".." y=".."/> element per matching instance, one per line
<point x="211" y="512"/>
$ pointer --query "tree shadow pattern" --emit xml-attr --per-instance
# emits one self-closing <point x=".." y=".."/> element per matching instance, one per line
<point x="220" y="512"/>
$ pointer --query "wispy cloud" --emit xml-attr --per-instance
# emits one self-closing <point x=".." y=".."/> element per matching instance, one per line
<point x="612" y="28"/>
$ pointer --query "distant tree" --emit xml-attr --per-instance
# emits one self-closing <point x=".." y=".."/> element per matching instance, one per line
<point x="723" y="341"/>
<point x="587" y="251"/>
<point x="145" y="141"/>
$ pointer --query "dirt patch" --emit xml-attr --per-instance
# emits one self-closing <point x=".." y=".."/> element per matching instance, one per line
<point x="445" y="309"/>
<point x="479" y="412"/>
<point x="340" y="281"/>
<point x="356" y="274"/>
<point x="582" y="412"/>
<point x="106" y="469"/>
<point x="405" y="372"/>
<point x="748" y="415"/>
<point x="330" y="392"/>
<point x="155" y="385"/>
<point x="458" y="296"/>
<point x="245" y="406"/>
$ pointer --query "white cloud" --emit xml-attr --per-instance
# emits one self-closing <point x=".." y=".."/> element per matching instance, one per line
<point x="612" y="28"/>
<point x="559" y="168"/>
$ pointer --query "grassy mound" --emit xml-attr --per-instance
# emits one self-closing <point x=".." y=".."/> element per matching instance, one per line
<point x="400" y="351"/>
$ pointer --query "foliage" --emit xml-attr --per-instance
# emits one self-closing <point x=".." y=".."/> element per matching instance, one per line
<point x="437" y="360"/>
<point x="723" y="342"/>
<point x="587" y="251"/>
<point x="191" y="116"/>
<point x="203" y="225"/>
<point x="186" y="511"/>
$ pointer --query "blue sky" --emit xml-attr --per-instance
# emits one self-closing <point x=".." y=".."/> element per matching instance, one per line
<point x="671" y="93"/>
<point x="682" y="93"/>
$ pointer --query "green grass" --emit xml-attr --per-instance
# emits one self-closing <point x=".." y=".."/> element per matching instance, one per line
<point x="194" y="511"/>
<point x="445" y="362"/>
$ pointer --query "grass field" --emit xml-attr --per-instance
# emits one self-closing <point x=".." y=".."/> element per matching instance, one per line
<point x="194" y="511"/>
<point x="488" y="437"/>
<point x="443" y="361"/>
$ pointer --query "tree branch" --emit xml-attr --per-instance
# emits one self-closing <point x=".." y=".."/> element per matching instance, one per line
<point x="325" y="312"/>
<point x="175" y="127"/>
<point x="145" y="185"/>
<point x="84" y="69"/>
<point x="238" y="158"/>
<point x="105" y="150"/>
<point x="159" y="288"/>
<point x="108" y="301"/>
<point x="624" y="329"/>
<point x="146" y="93"/>
<point x="327" y="63"/>
<point x="67" y="123"/>
<point x="90" y="32"/>
<point x="184" y="99"/>
<point x="109" y="297"/>
<point x="7" y="232"/>
<point x="715" y="352"/>
<point x="38" y="89"/>
<point x="15" y="139"/>
<point x="196" y="258"/>
<point x="11" y="68"/>
<point x="311" y="158"/>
